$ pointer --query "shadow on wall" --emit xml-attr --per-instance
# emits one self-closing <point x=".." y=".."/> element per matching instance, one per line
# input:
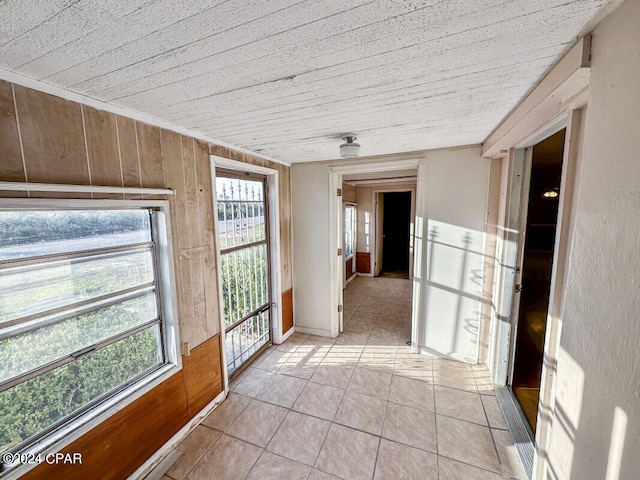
<point x="571" y="392"/>
<point x="452" y="290"/>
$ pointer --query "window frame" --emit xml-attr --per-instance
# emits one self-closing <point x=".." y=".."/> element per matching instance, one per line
<point x="99" y="410"/>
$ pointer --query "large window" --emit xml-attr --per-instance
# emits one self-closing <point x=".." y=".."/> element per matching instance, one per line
<point x="85" y="315"/>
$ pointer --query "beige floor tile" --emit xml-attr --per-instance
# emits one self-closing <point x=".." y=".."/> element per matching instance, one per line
<point x="348" y="453"/>
<point x="257" y="423"/>
<point x="303" y="370"/>
<point x="461" y="379"/>
<point x="385" y="340"/>
<point x="362" y="412"/>
<point x="417" y="367"/>
<point x="386" y="330"/>
<point x="370" y="382"/>
<point x="225" y="413"/>
<point x="362" y="315"/>
<point x="352" y="338"/>
<point x="192" y="448"/>
<point x="318" y="475"/>
<point x="391" y="319"/>
<point x="410" y="426"/>
<point x="319" y="341"/>
<point x="300" y="438"/>
<point x="272" y="466"/>
<point x="333" y="375"/>
<point x="319" y="400"/>
<point x="358" y="326"/>
<point x="452" y="470"/>
<point x="251" y="382"/>
<point x="494" y="414"/>
<point x="399" y="462"/>
<point x="282" y="390"/>
<point x="509" y="458"/>
<point x="460" y="404"/>
<point x="380" y="360"/>
<point x="272" y="360"/>
<point x="467" y="442"/>
<point x="413" y="393"/>
<point x="228" y="459"/>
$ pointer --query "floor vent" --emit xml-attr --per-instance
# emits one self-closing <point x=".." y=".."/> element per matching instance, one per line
<point x="522" y="436"/>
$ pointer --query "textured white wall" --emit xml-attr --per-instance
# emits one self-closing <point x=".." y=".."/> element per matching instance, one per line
<point x="596" y="432"/>
<point x="311" y="260"/>
<point x="455" y="185"/>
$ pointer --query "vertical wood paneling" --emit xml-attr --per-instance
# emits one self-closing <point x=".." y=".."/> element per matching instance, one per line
<point x="102" y="148"/>
<point x="150" y="155"/>
<point x="202" y="381"/>
<point x="287" y="310"/>
<point x="172" y="161"/>
<point x="348" y="193"/>
<point x="11" y="166"/>
<point x="363" y="262"/>
<point x="285" y="226"/>
<point x="207" y="238"/>
<point x="128" y="151"/>
<point x="52" y="138"/>
<point x="194" y="253"/>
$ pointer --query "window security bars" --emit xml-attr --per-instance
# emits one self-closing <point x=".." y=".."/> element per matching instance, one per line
<point x="243" y="237"/>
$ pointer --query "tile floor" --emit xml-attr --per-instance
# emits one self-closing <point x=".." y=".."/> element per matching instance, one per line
<point x="361" y="406"/>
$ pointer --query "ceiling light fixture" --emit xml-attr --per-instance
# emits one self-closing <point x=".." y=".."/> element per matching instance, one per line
<point x="349" y="148"/>
<point x="551" y="193"/>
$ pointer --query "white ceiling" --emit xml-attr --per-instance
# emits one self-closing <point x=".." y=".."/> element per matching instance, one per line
<point x="286" y="77"/>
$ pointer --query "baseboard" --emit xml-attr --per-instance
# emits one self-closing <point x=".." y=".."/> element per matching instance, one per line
<point x="156" y="459"/>
<point x="313" y="331"/>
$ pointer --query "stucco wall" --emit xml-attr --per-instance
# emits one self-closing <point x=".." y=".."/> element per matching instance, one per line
<point x="596" y="429"/>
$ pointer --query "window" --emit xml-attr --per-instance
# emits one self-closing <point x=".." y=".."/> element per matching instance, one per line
<point x="349" y="229"/>
<point x="85" y="315"/>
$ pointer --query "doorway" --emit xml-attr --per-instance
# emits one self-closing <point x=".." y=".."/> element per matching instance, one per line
<point x="534" y="270"/>
<point x="243" y="236"/>
<point x="395" y="210"/>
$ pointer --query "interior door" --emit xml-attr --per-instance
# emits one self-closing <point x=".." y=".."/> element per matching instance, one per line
<point x="244" y="261"/>
<point x="379" y="233"/>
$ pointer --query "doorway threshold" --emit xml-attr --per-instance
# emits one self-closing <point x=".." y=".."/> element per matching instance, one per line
<point x="518" y="428"/>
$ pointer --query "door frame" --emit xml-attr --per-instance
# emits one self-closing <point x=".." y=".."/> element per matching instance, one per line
<point x="336" y="234"/>
<point x="412" y="216"/>
<point x="273" y="205"/>
<point x="501" y="360"/>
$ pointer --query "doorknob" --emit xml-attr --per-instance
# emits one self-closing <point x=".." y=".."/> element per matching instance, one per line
<point x="517" y="288"/>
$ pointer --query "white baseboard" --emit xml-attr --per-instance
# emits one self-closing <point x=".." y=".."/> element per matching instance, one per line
<point x="313" y="331"/>
<point x="147" y="467"/>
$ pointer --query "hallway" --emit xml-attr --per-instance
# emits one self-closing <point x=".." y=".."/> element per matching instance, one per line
<point x="361" y="406"/>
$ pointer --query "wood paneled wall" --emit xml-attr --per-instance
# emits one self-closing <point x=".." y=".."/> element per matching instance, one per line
<point x="348" y="192"/>
<point x="47" y="139"/>
<point x="363" y="262"/>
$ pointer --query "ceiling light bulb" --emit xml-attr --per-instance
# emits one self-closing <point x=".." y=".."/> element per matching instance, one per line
<point x="550" y="194"/>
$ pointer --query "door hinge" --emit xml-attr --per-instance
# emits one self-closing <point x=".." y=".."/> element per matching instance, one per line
<point x="339" y="308"/>
<point x="339" y="252"/>
<point x="339" y="192"/>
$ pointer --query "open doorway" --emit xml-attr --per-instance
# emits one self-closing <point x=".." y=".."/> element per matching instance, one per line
<point x="394" y="234"/>
<point x="535" y="270"/>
